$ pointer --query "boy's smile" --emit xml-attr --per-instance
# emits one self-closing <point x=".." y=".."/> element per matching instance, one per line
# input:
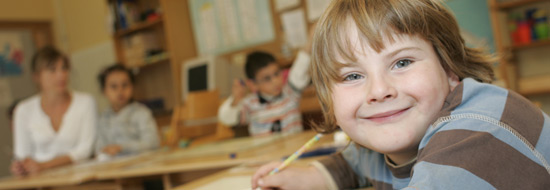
<point x="386" y="100"/>
<point x="385" y="117"/>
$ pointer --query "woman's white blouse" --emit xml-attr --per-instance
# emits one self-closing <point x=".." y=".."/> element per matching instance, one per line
<point x="34" y="136"/>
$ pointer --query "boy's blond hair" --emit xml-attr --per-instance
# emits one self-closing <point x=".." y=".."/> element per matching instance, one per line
<point x="376" y="19"/>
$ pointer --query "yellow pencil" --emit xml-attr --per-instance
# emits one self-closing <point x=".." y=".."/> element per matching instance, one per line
<point x="297" y="154"/>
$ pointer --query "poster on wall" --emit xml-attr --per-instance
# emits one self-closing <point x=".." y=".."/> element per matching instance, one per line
<point x="316" y="8"/>
<point x="222" y="26"/>
<point x="295" y="28"/>
<point x="11" y="53"/>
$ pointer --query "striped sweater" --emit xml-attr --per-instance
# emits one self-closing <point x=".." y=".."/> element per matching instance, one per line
<point x="485" y="137"/>
<point x="265" y="115"/>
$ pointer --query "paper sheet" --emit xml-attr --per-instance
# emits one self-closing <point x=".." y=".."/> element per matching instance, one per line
<point x="207" y="17"/>
<point x="315" y="8"/>
<point x="285" y="4"/>
<point x="295" y="28"/>
<point x="229" y="183"/>
<point x="228" y="22"/>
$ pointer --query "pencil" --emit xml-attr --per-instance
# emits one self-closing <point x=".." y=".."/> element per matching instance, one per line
<point x="297" y="153"/>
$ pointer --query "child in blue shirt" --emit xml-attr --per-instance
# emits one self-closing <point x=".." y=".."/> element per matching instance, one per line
<point x="126" y="127"/>
<point x="398" y="79"/>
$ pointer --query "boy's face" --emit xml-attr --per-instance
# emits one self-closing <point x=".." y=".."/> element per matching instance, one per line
<point x="386" y="101"/>
<point x="118" y="88"/>
<point x="269" y="80"/>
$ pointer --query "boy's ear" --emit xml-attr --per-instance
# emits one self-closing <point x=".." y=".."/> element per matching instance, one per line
<point x="251" y="85"/>
<point x="453" y="80"/>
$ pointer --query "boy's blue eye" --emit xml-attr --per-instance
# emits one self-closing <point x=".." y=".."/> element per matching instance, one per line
<point x="353" y="76"/>
<point x="402" y="63"/>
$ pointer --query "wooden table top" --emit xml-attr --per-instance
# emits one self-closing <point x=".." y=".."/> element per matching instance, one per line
<point x="242" y="171"/>
<point x="218" y="155"/>
<point x="250" y="150"/>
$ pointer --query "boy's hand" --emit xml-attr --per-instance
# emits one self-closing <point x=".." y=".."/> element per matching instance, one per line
<point x="238" y="91"/>
<point x="18" y="169"/>
<point x="292" y="177"/>
<point x="112" y="150"/>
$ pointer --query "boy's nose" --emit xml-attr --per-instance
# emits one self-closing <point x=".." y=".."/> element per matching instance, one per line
<point x="380" y="90"/>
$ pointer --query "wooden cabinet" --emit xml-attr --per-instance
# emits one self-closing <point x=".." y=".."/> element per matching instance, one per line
<point x="153" y="37"/>
<point x="526" y="64"/>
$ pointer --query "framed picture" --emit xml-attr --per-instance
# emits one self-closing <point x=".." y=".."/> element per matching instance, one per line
<point x="18" y="42"/>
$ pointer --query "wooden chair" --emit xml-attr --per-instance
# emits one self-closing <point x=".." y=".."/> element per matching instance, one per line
<point x="197" y="119"/>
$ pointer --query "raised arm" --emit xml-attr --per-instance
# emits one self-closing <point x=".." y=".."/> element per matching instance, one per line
<point x="299" y="76"/>
<point x="229" y="111"/>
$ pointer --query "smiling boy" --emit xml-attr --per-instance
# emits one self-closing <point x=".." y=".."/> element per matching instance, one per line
<point x="397" y="77"/>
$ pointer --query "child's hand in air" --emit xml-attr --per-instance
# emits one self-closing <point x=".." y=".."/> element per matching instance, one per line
<point x="239" y="91"/>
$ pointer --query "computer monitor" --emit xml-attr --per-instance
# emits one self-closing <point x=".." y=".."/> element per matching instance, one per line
<point x="208" y="73"/>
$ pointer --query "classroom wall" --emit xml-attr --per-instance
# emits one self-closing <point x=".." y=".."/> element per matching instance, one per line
<point x="83" y="33"/>
<point x="20" y="10"/>
<point x="26" y="10"/>
<point x="473" y="18"/>
<point x="80" y="30"/>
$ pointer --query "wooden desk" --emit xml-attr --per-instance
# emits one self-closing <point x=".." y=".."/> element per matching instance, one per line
<point x="210" y="158"/>
<point x="70" y="175"/>
<point x="173" y="166"/>
<point x="245" y="170"/>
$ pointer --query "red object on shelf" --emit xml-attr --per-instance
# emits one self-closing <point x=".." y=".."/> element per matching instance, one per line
<point x="152" y="17"/>
<point x="524" y="33"/>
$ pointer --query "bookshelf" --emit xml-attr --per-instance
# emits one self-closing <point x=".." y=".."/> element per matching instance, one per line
<point x="519" y="56"/>
<point x="514" y="4"/>
<point x="153" y="37"/>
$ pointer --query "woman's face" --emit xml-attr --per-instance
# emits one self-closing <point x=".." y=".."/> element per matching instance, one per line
<point x="54" y="78"/>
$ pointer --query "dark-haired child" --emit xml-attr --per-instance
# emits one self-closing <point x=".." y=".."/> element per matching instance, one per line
<point x="273" y="107"/>
<point x="126" y="127"/>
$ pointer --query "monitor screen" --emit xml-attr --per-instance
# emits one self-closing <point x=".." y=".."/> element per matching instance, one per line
<point x="198" y="78"/>
<point x="209" y="73"/>
<point x="197" y="74"/>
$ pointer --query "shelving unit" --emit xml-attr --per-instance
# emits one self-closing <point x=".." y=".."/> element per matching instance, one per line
<point x="535" y="44"/>
<point x="157" y="78"/>
<point x="515" y="4"/>
<point x="510" y="67"/>
<point x="139" y="26"/>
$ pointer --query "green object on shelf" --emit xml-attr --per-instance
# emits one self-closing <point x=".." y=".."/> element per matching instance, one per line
<point x="541" y="25"/>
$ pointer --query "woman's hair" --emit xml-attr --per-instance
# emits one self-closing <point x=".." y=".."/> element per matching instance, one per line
<point x="102" y="77"/>
<point x="379" y="19"/>
<point x="46" y="57"/>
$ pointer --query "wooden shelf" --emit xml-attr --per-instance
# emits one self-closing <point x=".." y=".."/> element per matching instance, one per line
<point x="514" y="4"/>
<point x="531" y="45"/>
<point x="138" y="27"/>
<point x="159" y="59"/>
<point x="534" y="85"/>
